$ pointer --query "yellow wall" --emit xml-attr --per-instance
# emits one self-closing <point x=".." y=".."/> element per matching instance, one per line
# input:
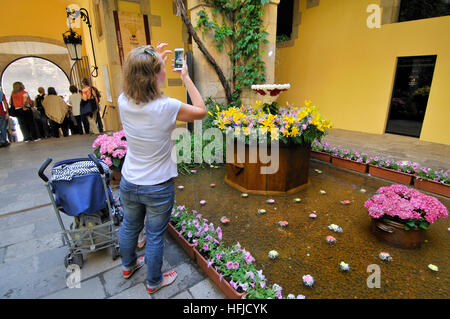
<point x="39" y="18"/>
<point x="348" y="69"/>
<point x="170" y="31"/>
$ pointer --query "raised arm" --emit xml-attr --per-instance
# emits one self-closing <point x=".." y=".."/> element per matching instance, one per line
<point x="197" y="110"/>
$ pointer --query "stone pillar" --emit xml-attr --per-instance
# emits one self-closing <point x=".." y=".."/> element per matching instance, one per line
<point x="248" y="96"/>
<point x="206" y="78"/>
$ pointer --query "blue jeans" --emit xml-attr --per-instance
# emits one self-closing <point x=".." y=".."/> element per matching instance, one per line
<point x="154" y="202"/>
<point x="3" y="124"/>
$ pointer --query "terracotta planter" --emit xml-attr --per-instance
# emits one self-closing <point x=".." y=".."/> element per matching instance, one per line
<point x="399" y="177"/>
<point x="432" y="186"/>
<point x="115" y="177"/>
<point x="321" y="156"/>
<point x="348" y="164"/>
<point x="224" y="286"/>
<point x="394" y="234"/>
<point x="187" y="246"/>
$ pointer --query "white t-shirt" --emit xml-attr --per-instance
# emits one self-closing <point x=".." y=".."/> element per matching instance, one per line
<point x="148" y="128"/>
<point x="74" y="100"/>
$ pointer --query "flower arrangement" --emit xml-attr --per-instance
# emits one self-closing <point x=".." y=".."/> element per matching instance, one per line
<point x="405" y="205"/>
<point x="234" y="264"/>
<point x="404" y="167"/>
<point x="111" y="148"/>
<point x="439" y="176"/>
<point x="290" y="124"/>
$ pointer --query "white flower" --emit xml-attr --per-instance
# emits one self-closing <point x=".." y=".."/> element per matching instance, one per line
<point x="273" y="254"/>
<point x="433" y="267"/>
<point x="344" y="267"/>
<point x="335" y="228"/>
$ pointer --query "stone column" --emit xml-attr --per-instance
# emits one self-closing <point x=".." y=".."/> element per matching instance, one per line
<point x="206" y="78"/>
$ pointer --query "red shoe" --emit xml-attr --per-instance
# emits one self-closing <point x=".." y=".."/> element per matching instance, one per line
<point x="168" y="278"/>
<point x="139" y="263"/>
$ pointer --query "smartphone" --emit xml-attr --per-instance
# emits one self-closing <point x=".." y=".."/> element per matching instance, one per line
<point x="178" y="60"/>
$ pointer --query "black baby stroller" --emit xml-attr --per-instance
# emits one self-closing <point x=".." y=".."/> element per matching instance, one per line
<point x="80" y="188"/>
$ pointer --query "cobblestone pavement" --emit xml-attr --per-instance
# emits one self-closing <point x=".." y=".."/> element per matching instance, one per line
<point x="31" y="248"/>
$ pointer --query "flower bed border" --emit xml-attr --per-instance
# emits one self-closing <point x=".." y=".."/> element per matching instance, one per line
<point x="349" y="164"/>
<point x="223" y="285"/>
<point x="432" y="186"/>
<point x="321" y="156"/>
<point x="389" y="174"/>
<point x="187" y="246"/>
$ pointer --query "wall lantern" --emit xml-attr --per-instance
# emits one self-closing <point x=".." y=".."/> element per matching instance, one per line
<point x="73" y="40"/>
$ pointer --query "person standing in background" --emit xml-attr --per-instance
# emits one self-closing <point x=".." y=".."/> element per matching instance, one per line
<point x="57" y="111"/>
<point x="88" y="93"/>
<point x="22" y="104"/>
<point x="74" y="101"/>
<point x="99" y="114"/>
<point x="4" y="118"/>
<point x="42" y="120"/>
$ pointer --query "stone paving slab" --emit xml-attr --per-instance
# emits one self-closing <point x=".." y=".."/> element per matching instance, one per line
<point x="135" y="292"/>
<point x="29" y="248"/>
<point x="206" y="289"/>
<point x="16" y="235"/>
<point x="90" y="289"/>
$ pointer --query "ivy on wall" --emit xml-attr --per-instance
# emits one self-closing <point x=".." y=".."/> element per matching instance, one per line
<point x="241" y="31"/>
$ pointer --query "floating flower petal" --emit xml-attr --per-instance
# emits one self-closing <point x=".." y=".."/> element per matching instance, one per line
<point x="283" y="223"/>
<point x="308" y="280"/>
<point x="433" y="267"/>
<point x="212" y="185"/>
<point x="181" y="187"/>
<point x="297" y="200"/>
<point x="312" y="215"/>
<point x="335" y="228"/>
<point x="270" y="201"/>
<point x="343" y="266"/>
<point x="322" y="192"/>
<point x="202" y="202"/>
<point x="261" y="211"/>
<point x="331" y="240"/>
<point x="345" y="202"/>
<point x="244" y="195"/>
<point x="273" y="254"/>
<point x="385" y="256"/>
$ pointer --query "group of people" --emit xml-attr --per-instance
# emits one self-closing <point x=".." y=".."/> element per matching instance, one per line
<point x="49" y="114"/>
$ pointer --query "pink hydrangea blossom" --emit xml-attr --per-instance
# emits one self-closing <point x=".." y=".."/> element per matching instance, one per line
<point x="406" y="203"/>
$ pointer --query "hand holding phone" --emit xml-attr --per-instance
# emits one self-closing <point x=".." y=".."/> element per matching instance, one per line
<point x="178" y="59"/>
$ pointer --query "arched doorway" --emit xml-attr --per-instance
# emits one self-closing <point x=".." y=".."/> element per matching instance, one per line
<point x="34" y="72"/>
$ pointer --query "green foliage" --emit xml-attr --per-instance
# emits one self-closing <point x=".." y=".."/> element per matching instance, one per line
<point x="242" y="30"/>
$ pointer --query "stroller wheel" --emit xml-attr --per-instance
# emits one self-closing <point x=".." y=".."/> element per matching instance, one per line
<point x="74" y="259"/>
<point x="115" y="252"/>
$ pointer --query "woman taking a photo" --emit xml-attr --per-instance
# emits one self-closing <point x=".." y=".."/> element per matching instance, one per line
<point x="147" y="187"/>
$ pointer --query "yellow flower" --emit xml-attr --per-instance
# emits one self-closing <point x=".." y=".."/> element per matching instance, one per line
<point x="210" y="113"/>
<point x="246" y="131"/>
<point x="274" y="134"/>
<point x="263" y="130"/>
<point x="294" y="131"/>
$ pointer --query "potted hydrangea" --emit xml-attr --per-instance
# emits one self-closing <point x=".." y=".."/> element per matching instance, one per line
<point x="400" y="215"/>
<point x="111" y="148"/>
<point x="435" y="181"/>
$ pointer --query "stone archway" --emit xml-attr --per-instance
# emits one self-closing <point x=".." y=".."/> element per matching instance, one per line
<point x="13" y="48"/>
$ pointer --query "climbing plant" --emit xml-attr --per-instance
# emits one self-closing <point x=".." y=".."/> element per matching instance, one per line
<point x="240" y="31"/>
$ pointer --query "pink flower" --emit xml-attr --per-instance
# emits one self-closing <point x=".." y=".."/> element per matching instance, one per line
<point x="308" y="280"/>
<point x="219" y="233"/>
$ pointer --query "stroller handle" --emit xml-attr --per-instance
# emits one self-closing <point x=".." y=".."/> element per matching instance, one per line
<point x="96" y="161"/>
<point x="42" y="169"/>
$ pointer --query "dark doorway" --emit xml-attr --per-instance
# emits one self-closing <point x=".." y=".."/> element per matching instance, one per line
<point x="410" y="95"/>
<point x="285" y="14"/>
